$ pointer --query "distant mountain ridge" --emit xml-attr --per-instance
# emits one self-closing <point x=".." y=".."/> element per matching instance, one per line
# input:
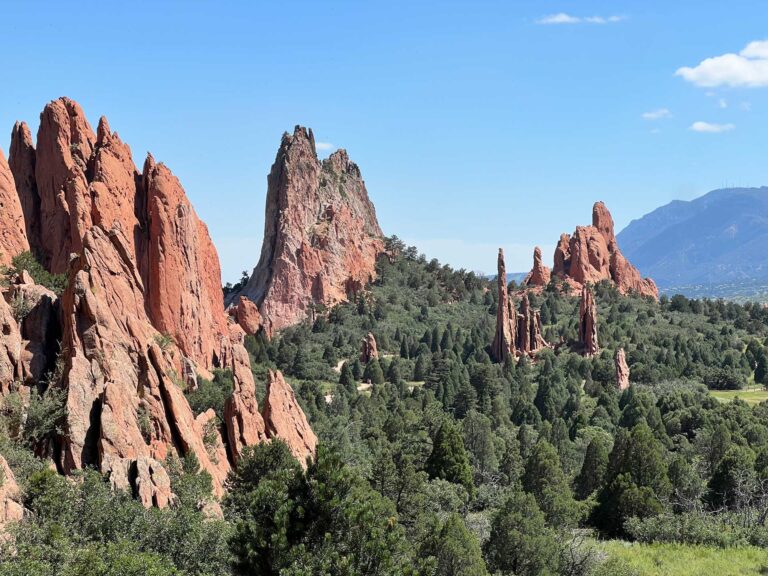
<point x="717" y="238"/>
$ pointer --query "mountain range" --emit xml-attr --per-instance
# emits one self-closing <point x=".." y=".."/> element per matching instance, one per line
<point x="715" y="240"/>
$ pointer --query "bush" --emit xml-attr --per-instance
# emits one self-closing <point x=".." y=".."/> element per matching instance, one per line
<point x="57" y="283"/>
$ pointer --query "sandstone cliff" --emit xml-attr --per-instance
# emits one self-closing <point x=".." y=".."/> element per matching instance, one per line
<point x="141" y="316"/>
<point x="321" y="235"/>
<point x="591" y="255"/>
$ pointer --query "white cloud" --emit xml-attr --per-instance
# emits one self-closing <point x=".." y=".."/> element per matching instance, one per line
<point x="657" y="114"/>
<point x="711" y="128"/>
<point x="748" y="68"/>
<point x="655" y="131"/>
<point x="746" y="106"/>
<point x="563" y="18"/>
<point x="323" y="146"/>
<point x="723" y="103"/>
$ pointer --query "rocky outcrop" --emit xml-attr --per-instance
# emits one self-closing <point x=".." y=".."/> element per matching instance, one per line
<point x="21" y="158"/>
<point x="321" y="235"/>
<point x="285" y="419"/>
<point x="517" y="334"/>
<point x="529" y="330"/>
<point x="588" y="324"/>
<point x="245" y="426"/>
<point x="11" y="371"/>
<point x="183" y="271"/>
<point x="369" y="350"/>
<point x="141" y="317"/>
<point x="247" y="315"/>
<point x="539" y="274"/>
<point x="10" y="496"/>
<point x="504" y="340"/>
<point x="13" y="235"/>
<point x="36" y="311"/>
<point x="622" y="370"/>
<point x="592" y="255"/>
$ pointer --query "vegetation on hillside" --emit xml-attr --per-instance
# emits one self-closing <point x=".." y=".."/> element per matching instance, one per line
<point x="449" y="464"/>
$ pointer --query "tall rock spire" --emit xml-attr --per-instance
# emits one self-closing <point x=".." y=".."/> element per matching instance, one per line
<point x="539" y="274"/>
<point x="321" y="235"/>
<point x="588" y="323"/>
<point x="506" y="318"/>
<point x="13" y="235"/>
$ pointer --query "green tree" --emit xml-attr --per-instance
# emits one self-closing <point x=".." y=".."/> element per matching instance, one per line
<point x="455" y="549"/>
<point x="593" y="469"/>
<point x="545" y="479"/>
<point x="449" y="459"/>
<point x="520" y="542"/>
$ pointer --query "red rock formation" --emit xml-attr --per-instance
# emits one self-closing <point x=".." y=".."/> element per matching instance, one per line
<point x="65" y="142"/>
<point x="183" y="271"/>
<point x="622" y="370"/>
<point x="562" y="256"/>
<point x="369" y="349"/>
<point x="11" y="370"/>
<point x="142" y="314"/>
<point x="22" y="162"/>
<point x="13" y="235"/>
<point x="10" y="496"/>
<point x="39" y="326"/>
<point x="245" y="425"/>
<point x="504" y="342"/>
<point x="247" y="315"/>
<point x="321" y="236"/>
<point x="285" y="419"/>
<point x="592" y="255"/>
<point x="529" y="330"/>
<point x="588" y="323"/>
<point x="539" y="274"/>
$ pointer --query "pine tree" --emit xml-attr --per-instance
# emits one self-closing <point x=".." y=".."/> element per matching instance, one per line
<point x="449" y="459"/>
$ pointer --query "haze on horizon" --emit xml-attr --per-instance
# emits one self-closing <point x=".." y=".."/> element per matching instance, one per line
<point x="475" y="125"/>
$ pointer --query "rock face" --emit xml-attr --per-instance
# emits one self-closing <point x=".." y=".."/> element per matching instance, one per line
<point x="592" y="254"/>
<point x="369" y="349"/>
<point x="39" y="326"/>
<point x="517" y="334"/>
<point x="141" y="316"/>
<point x="539" y="274"/>
<point x="22" y="163"/>
<point x="588" y="323"/>
<point x="10" y="497"/>
<point x="13" y="235"/>
<point x="622" y="370"/>
<point x="284" y="418"/>
<point x="321" y="236"/>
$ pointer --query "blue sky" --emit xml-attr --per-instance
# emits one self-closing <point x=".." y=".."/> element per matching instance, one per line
<point x="475" y="124"/>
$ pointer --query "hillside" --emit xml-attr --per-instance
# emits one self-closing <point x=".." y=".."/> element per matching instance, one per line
<point x="716" y="239"/>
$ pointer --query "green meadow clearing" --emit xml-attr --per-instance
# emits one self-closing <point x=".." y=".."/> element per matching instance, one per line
<point x="627" y="559"/>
